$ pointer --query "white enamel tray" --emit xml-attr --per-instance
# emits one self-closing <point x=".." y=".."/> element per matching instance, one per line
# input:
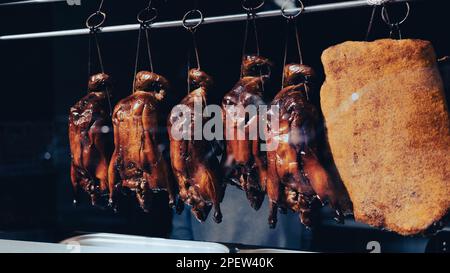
<point x="137" y="244"/>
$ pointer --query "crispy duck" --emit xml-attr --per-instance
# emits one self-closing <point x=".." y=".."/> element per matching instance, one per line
<point x="137" y="164"/>
<point x="297" y="179"/>
<point x="245" y="164"/>
<point x="194" y="161"/>
<point x="91" y="142"/>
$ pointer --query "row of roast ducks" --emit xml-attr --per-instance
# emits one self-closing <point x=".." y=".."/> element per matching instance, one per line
<point x="291" y="175"/>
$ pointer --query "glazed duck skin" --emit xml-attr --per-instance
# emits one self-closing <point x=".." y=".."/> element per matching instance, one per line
<point x="194" y="162"/>
<point x="91" y="143"/>
<point x="137" y="163"/>
<point x="245" y="165"/>
<point x="297" y="180"/>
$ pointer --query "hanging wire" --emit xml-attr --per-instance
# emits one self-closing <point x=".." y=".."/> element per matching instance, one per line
<point x="297" y="38"/>
<point x="145" y="18"/>
<point x="285" y="53"/>
<point x="256" y="32"/>
<point x="136" y="60"/>
<point x="244" y="47"/>
<point x="99" y="53"/>
<point x="94" y="28"/>
<point x="89" y="68"/>
<point x="94" y="23"/>
<point x="197" y="56"/>
<point x="192" y="29"/>
<point x="251" y="18"/>
<point x="292" y="19"/>
<point x="147" y="27"/>
<point x="93" y="36"/>
<point x="149" y="52"/>
<point x="300" y="55"/>
<point x="372" y="19"/>
<point x="194" y="38"/>
<point x="136" y="64"/>
<point x="188" y="65"/>
<point x="101" y="5"/>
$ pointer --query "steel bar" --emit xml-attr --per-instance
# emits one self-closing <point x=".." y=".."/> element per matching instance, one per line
<point x="29" y="2"/>
<point x="208" y="20"/>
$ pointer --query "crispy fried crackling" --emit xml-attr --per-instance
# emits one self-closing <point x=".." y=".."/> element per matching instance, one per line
<point x="388" y="128"/>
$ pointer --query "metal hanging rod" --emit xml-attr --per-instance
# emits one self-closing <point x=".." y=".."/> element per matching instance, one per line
<point x="29" y="2"/>
<point x="208" y="20"/>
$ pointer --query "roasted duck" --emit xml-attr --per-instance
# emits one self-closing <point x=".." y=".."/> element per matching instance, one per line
<point x="297" y="179"/>
<point x="91" y="144"/>
<point x="194" y="162"/>
<point x="245" y="163"/>
<point x="138" y="165"/>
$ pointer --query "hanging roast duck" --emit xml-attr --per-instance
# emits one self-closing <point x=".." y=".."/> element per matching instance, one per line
<point x="91" y="142"/>
<point x="138" y="164"/>
<point x="245" y="163"/>
<point x="90" y="133"/>
<point x="297" y="179"/>
<point x="194" y="162"/>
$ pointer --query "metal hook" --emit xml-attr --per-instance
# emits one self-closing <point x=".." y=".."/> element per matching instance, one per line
<point x="90" y="23"/>
<point x="385" y="16"/>
<point x="294" y="15"/>
<point x="147" y="16"/>
<point x="191" y="27"/>
<point x="251" y="7"/>
<point x="95" y="16"/>
<point x="257" y="4"/>
<point x="292" y="19"/>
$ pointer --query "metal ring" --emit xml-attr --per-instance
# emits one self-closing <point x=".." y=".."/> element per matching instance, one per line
<point x="147" y="16"/>
<point x="292" y="16"/>
<point x="255" y="7"/>
<point x="186" y="18"/>
<point x="96" y="15"/>
<point x="385" y="19"/>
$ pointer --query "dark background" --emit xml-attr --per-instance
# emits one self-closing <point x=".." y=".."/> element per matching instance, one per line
<point x="41" y="79"/>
